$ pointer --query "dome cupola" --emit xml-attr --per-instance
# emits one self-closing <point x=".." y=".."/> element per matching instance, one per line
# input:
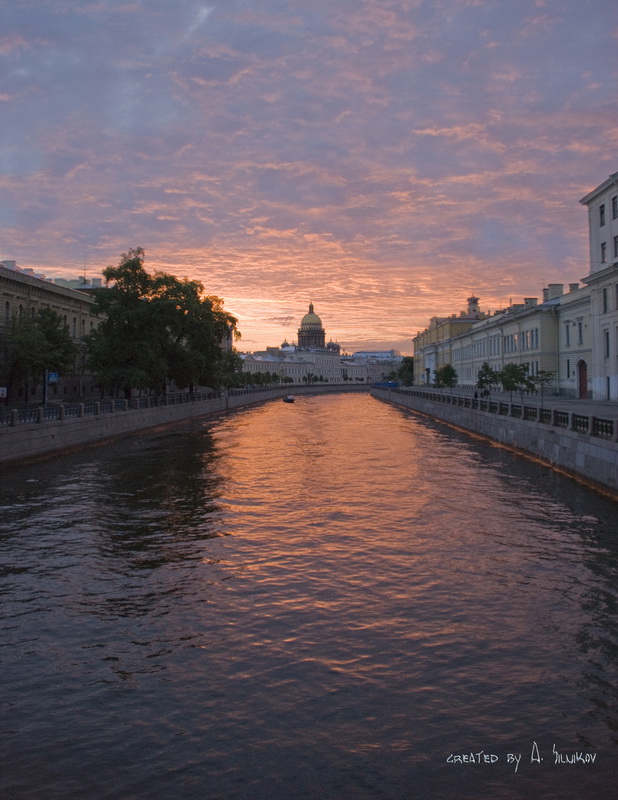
<point x="311" y="333"/>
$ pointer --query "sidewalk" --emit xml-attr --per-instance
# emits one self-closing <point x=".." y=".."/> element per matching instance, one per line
<point x="605" y="409"/>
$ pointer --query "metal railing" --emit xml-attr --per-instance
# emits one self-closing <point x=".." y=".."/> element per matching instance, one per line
<point x="88" y="408"/>
<point x="599" y="427"/>
<point x="25" y="416"/>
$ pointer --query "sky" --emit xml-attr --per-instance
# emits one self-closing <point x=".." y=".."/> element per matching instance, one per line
<point x="383" y="159"/>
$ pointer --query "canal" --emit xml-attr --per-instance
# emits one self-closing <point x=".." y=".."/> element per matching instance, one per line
<point x="331" y="599"/>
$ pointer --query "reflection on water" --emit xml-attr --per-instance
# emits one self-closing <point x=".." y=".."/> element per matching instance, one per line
<point x="331" y="599"/>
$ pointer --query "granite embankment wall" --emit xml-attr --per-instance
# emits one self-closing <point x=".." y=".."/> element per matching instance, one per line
<point x="580" y="444"/>
<point x="92" y="423"/>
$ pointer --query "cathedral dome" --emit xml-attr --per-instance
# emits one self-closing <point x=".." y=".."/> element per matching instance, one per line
<point x="311" y="319"/>
<point x="311" y="333"/>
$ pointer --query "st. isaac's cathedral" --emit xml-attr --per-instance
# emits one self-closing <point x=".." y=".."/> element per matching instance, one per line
<point x="313" y="356"/>
<point x="311" y="334"/>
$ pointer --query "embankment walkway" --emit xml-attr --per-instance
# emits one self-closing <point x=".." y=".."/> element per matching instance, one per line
<point x="37" y="432"/>
<point x="576" y="436"/>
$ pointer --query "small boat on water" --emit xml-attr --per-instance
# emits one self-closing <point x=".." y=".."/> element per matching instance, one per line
<point x="289" y="398"/>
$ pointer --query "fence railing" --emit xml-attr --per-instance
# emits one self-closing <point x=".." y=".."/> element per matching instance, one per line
<point x="599" y="427"/>
<point x="24" y="416"/>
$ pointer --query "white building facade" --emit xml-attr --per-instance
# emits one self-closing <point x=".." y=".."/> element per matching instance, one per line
<point x="602" y="282"/>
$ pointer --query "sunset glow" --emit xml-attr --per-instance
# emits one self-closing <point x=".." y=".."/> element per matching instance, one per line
<point x="381" y="158"/>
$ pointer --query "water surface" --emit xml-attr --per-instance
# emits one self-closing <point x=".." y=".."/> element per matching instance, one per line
<point x="331" y="599"/>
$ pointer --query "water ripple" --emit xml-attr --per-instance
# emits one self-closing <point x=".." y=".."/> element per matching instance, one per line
<point x="326" y="603"/>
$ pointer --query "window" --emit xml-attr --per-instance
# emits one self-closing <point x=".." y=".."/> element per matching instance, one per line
<point x="604" y="301"/>
<point x="615" y="207"/>
<point x="603" y="252"/>
<point x="580" y="332"/>
<point x="602" y="214"/>
<point x="606" y="343"/>
<point x="568" y="368"/>
<point x="567" y="334"/>
<point x="511" y="343"/>
<point x="615" y="246"/>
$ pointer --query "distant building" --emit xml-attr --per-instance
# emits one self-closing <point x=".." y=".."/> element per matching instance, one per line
<point x="311" y="333"/>
<point x="378" y="355"/>
<point x="314" y="359"/>
<point x="433" y="347"/>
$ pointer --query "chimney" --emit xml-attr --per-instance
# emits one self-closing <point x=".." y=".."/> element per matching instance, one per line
<point x="530" y="302"/>
<point x="573" y="287"/>
<point x="553" y="291"/>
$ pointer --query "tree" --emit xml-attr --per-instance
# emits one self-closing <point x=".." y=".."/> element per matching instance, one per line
<point x="514" y="378"/>
<point x="230" y="372"/>
<point x="32" y="347"/>
<point x="446" y="376"/>
<point x="405" y="373"/>
<point x="542" y="378"/>
<point x="158" y="328"/>
<point x="487" y="378"/>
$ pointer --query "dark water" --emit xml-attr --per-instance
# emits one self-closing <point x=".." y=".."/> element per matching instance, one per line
<point x="331" y="599"/>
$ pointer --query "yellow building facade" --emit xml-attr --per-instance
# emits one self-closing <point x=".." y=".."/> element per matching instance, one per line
<point x="23" y="294"/>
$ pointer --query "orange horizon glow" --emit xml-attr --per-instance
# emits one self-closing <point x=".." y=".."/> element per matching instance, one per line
<point x="382" y="160"/>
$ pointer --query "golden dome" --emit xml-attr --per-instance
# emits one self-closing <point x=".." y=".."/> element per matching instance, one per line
<point x="311" y="319"/>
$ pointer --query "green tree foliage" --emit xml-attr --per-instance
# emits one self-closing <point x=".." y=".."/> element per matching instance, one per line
<point x="514" y="378"/>
<point x="542" y="379"/>
<point x="405" y="373"/>
<point x="33" y="345"/>
<point x="487" y="378"/>
<point x="158" y="328"/>
<point x="446" y="376"/>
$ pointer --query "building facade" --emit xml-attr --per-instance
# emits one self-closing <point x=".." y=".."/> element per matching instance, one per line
<point x="602" y="283"/>
<point x="552" y="336"/>
<point x="433" y="347"/>
<point x="573" y="334"/>
<point x="312" y="359"/>
<point x="574" y="377"/>
<point x="23" y="293"/>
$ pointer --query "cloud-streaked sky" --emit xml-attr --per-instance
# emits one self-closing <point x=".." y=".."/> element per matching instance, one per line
<point x="382" y="158"/>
